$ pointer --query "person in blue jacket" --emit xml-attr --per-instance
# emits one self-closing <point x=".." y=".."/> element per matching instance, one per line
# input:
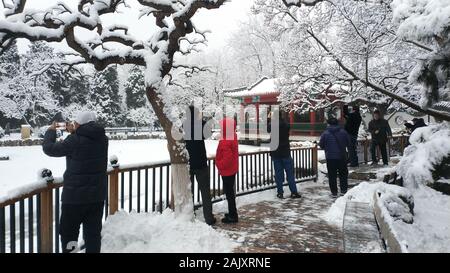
<point x="335" y="142"/>
<point x="85" y="180"/>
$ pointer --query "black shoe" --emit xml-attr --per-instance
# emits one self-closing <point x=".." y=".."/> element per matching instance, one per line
<point x="374" y="164"/>
<point x="229" y="220"/>
<point x="296" y="195"/>
<point x="212" y="223"/>
<point x="280" y="195"/>
<point x="334" y="195"/>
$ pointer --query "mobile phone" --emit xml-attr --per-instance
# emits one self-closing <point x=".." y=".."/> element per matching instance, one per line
<point x="61" y="126"/>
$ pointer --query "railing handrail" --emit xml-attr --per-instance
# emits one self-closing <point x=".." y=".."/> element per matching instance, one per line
<point x="53" y="185"/>
<point x="36" y="191"/>
<point x="163" y="164"/>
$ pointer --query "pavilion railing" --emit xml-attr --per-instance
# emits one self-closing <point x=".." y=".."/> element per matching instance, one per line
<point x="395" y="146"/>
<point x="29" y="223"/>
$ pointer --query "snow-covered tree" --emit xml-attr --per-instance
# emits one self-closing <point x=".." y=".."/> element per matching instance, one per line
<point x="107" y="45"/>
<point x="25" y="92"/>
<point x="104" y="97"/>
<point x="135" y="88"/>
<point x="360" y="35"/>
<point x="253" y="50"/>
<point x="139" y="112"/>
<point x="9" y="67"/>
<point x="351" y="42"/>
<point x="428" y="22"/>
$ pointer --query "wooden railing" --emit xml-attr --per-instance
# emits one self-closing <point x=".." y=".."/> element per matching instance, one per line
<point x="145" y="188"/>
<point x="395" y="146"/>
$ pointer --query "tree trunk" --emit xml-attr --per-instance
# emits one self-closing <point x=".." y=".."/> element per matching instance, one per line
<point x="181" y="183"/>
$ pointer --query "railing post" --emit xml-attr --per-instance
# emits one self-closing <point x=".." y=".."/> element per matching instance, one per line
<point x="315" y="162"/>
<point x="389" y="148"/>
<point x="114" y="186"/>
<point x="46" y="214"/>
<point x="366" y="151"/>
<point x="46" y="224"/>
<point x="402" y="144"/>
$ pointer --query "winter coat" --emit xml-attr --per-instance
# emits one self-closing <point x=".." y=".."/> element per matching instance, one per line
<point x="283" y="149"/>
<point x="383" y="128"/>
<point x="353" y="122"/>
<point x="227" y="156"/>
<point x="86" y="152"/>
<point x="335" y="147"/>
<point x="417" y="124"/>
<point x="196" y="147"/>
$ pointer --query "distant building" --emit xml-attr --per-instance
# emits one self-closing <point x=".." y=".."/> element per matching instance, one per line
<point x="265" y="93"/>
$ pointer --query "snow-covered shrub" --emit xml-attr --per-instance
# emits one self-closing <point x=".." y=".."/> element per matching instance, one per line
<point x="399" y="203"/>
<point x="430" y="147"/>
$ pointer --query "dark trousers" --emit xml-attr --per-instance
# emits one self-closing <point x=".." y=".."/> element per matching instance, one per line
<point x="337" y="167"/>
<point x="72" y="216"/>
<point x="228" y="188"/>
<point x="352" y="151"/>
<point x="383" y="149"/>
<point x="202" y="177"/>
<point x="282" y="165"/>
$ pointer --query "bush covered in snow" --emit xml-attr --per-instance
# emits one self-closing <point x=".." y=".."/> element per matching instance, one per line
<point x="398" y="202"/>
<point x="427" y="155"/>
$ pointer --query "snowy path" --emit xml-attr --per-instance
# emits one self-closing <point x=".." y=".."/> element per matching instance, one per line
<point x="289" y="225"/>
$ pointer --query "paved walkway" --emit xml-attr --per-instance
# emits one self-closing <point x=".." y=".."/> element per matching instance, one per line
<point x="289" y="225"/>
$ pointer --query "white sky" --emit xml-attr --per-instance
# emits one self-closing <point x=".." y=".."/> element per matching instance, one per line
<point x="221" y="22"/>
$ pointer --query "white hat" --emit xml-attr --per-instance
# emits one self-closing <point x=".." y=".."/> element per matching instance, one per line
<point x="85" y="117"/>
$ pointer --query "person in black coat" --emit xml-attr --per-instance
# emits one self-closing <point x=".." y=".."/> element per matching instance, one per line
<point x="85" y="180"/>
<point x="198" y="161"/>
<point x="281" y="157"/>
<point x="380" y="130"/>
<point x="416" y="123"/>
<point x="352" y="124"/>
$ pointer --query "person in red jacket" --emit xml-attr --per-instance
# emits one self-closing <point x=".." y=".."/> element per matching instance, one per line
<point x="227" y="162"/>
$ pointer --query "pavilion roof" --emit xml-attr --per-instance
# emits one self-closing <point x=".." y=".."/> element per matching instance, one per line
<point x="264" y="86"/>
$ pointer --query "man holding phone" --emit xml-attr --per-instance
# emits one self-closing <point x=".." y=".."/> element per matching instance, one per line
<point x="85" y="179"/>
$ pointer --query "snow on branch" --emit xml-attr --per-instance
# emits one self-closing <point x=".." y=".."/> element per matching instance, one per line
<point x="58" y="23"/>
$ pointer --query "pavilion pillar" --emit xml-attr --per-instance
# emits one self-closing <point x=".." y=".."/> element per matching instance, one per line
<point x="312" y="115"/>
<point x="257" y="120"/>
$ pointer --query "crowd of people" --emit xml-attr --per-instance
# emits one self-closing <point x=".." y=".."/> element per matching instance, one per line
<point x="86" y="151"/>
<point x="340" y="145"/>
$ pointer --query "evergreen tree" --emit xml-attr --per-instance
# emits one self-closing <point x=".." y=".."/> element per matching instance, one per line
<point x="105" y="98"/>
<point x="135" y="89"/>
<point x="42" y="73"/>
<point x="9" y="67"/>
<point x="9" y="62"/>
<point x="139" y="112"/>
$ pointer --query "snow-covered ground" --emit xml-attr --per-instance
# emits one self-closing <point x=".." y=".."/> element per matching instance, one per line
<point x="164" y="233"/>
<point x="161" y="233"/>
<point x="21" y="171"/>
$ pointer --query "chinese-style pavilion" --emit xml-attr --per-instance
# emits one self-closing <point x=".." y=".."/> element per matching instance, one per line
<point x="265" y="92"/>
